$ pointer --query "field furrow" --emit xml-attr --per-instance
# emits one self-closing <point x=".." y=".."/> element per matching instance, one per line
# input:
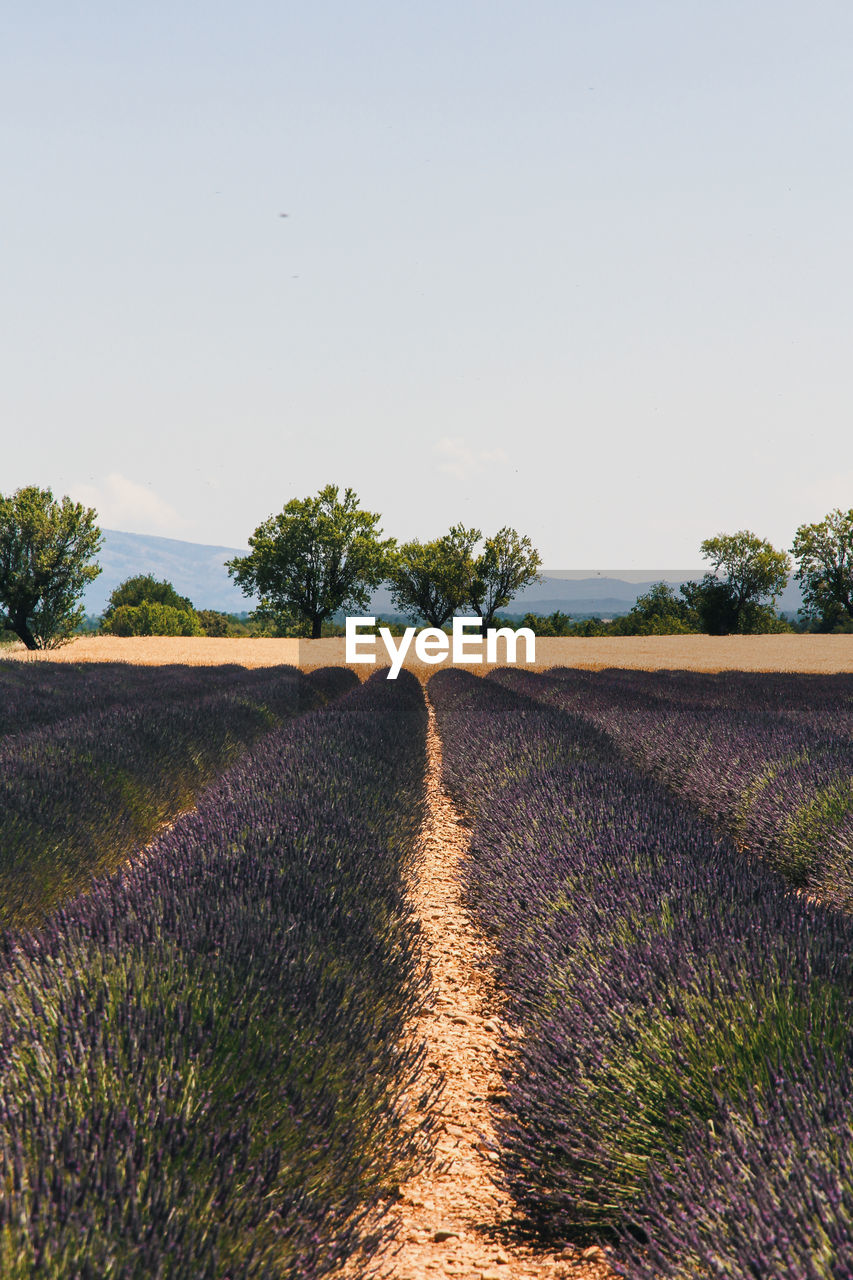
<point x="452" y="1218"/>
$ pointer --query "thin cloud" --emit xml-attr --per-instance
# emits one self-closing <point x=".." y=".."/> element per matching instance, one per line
<point x="134" y="508"/>
<point x="456" y="458"/>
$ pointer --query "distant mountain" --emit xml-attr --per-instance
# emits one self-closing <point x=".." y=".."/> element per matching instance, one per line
<point x="613" y="592"/>
<point x="199" y="572"/>
<point x="194" y="570"/>
<point x="579" y="592"/>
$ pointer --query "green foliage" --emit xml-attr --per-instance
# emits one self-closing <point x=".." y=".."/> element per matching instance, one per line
<point x="320" y="555"/>
<point x="560" y="624"/>
<point x="152" y="619"/>
<point x="507" y="564"/>
<point x="752" y="570"/>
<point x="144" y="588"/>
<point x="711" y="603"/>
<point x="660" y="612"/>
<point x="433" y="580"/>
<point x="714" y="605"/>
<point x="439" y="579"/>
<point x="824" y="555"/>
<point x="45" y="549"/>
<point x="214" y="623"/>
<point x="590" y="627"/>
<point x="554" y="624"/>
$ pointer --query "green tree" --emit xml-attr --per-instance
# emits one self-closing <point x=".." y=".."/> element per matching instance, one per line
<point x="319" y="555"/>
<point x="150" y="618"/>
<point x="739" y="595"/>
<point x="433" y="580"/>
<point x="552" y="624"/>
<point x="660" y="612"/>
<point x="46" y="547"/>
<point x="144" y="588"/>
<point x="508" y="563"/>
<point x="214" y="623"/>
<point x="824" y="555"/>
<point x="711" y="602"/>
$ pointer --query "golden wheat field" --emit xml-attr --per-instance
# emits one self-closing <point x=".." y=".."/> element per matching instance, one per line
<point x="805" y="653"/>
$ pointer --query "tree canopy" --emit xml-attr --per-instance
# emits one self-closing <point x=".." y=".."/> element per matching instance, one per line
<point x="439" y="579"/>
<point x="144" y="588"/>
<point x="824" y="555"/>
<point x="150" y="618"/>
<point x="739" y="595"/>
<point x="46" y="549"/>
<point x="508" y="563"/>
<point x="147" y="606"/>
<point x="660" y="612"/>
<point x="319" y="555"/>
<point x="433" y="580"/>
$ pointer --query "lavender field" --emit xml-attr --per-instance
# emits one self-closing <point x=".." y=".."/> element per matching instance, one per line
<point x="203" y="1063"/>
<point x="210" y="964"/>
<point x="682" y="1085"/>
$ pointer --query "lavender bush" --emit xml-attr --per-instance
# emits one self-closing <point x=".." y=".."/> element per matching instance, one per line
<point x="203" y="1069"/>
<point x="77" y="796"/>
<point x="34" y="694"/>
<point x="662" y="982"/>
<point x="767" y="758"/>
<point x="766" y="1191"/>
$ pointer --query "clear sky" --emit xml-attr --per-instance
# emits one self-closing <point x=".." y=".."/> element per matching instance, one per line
<point x="584" y="268"/>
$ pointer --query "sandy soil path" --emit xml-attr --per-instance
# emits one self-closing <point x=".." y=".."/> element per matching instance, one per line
<point x="452" y="1218"/>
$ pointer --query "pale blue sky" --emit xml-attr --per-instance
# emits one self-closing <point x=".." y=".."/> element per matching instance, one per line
<point x="582" y="268"/>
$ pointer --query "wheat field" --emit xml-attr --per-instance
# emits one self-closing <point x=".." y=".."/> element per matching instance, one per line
<point x="804" y="653"/>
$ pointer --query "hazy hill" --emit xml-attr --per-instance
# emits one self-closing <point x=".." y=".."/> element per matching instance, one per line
<point x="198" y="571"/>
<point x="195" y="570"/>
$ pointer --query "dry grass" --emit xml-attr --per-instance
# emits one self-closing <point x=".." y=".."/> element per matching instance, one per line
<point x="807" y="653"/>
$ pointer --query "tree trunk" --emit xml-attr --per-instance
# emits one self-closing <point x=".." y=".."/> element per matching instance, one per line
<point x="22" y="631"/>
<point x="316" y="627"/>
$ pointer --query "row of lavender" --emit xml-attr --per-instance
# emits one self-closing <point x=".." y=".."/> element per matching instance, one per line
<point x="768" y="758"/>
<point x="683" y="1082"/>
<point x="79" y="793"/>
<point x="201" y="1062"/>
<point x="42" y="693"/>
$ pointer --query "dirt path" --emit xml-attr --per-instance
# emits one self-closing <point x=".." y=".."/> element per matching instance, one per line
<point x="451" y="1218"/>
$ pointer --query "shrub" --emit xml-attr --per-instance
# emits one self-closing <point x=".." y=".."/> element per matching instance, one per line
<point x="151" y="619"/>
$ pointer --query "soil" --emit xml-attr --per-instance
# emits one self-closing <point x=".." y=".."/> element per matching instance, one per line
<point x="454" y="1220"/>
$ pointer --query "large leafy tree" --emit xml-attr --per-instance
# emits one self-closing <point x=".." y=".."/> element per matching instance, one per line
<point x="824" y="555"/>
<point x="46" y="549"/>
<point x="317" y="556"/>
<point x="508" y="563"/>
<point x="434" y="580"/>
<point x="739" y="595"/>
